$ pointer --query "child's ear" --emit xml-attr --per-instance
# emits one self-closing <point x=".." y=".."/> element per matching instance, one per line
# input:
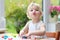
<point x="41" y="13"/>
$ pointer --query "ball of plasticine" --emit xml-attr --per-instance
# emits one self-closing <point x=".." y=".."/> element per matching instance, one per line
<point x="5" y="36"/>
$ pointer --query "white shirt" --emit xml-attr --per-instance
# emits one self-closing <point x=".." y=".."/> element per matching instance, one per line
<point x="34" y="26"/>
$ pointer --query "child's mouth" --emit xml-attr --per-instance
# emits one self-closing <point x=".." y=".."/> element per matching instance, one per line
<point x="34" y="13"/>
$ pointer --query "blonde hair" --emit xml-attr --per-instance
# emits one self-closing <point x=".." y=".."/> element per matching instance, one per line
<point x="33" y="4"/>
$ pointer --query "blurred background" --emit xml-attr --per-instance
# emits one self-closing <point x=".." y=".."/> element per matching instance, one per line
<point x="15" y="13"/>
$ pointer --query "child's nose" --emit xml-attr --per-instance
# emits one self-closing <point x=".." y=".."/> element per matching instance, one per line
<point x="34" y="12"/>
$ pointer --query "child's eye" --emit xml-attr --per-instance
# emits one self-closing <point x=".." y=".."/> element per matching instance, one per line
<point x="31" y="10"/>
<point x="37" y="10"/>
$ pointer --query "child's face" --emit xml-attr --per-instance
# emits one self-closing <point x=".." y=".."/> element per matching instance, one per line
<point x="34" y="12"/>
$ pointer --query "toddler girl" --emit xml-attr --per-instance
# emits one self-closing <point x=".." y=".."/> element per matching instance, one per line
<point x="35" y="26"/>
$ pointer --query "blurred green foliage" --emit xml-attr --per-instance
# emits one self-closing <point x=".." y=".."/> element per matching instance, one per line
<point x="16" y="19"/>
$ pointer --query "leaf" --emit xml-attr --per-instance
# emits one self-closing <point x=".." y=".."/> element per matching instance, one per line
<point x="53" y="13"/>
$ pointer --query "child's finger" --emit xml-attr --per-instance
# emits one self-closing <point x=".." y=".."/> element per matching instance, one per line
<point x="18" y="34"/>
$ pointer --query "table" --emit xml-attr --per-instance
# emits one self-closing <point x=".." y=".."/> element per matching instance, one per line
<point x="41" y="39"/>
<point x="33" y="39"/>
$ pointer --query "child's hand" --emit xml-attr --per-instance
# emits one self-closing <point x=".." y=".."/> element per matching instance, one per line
<point x="29" y="34"/>
<point x="21" y="33"/>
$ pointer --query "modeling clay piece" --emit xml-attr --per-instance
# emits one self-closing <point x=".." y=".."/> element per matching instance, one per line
<point x="9" y="38"/>
<point x="5" y="37"/>
<point x="24" y="37"/>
